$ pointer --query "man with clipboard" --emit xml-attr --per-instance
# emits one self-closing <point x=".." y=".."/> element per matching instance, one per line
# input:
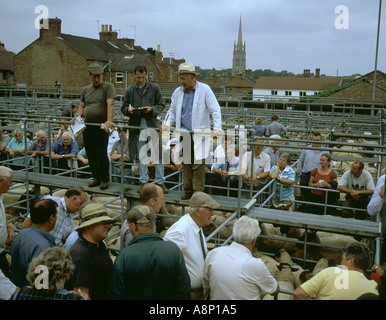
<point x="144" y="104"/>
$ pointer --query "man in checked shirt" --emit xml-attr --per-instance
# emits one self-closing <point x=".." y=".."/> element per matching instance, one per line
<point x="70" y="203"/>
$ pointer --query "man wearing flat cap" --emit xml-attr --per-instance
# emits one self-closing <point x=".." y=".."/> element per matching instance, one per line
<point x="93" y="265"/>
<point x="97" y="108"/>
<point x="191" y="106"/>
<point x="149" y="268"/>
<point x="187" y="234"/>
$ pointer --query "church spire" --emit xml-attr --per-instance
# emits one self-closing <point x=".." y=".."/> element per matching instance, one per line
<point x="240" y="37"/>
<point x="239" y="54"/>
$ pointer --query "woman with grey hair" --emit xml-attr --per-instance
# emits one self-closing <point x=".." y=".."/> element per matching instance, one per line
<point x="16" y="148"/>
<point x="285" y="178"/>
<point x="47" y="274"/>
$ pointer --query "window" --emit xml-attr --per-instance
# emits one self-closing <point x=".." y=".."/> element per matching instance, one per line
<point x="288" y="93"/>
<point x="119" y="77"/>
<point x="302" y="93"/>
<point x="151" y="76"/>
<point x="274" y="92"/>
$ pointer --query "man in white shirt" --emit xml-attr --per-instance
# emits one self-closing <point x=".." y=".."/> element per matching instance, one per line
<point x="187" y="234"/>
<point x="193" y="107"/>
<point x="232" y="273"/>
<point x="359" y="186"/>
<point x="7" y="234"/>
<point x="261" y="167"/>
<point x="376" y="207"/>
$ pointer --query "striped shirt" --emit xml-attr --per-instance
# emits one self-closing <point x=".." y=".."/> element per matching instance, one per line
<point x="64" y="223"/>
<point x="289" y="174"/>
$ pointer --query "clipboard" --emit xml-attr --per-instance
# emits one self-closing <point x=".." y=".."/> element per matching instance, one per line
<point x="78" y="126"/>
<point x="139" y="109"/>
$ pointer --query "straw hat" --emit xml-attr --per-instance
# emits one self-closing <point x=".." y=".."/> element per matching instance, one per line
<point x="92" y="213"/>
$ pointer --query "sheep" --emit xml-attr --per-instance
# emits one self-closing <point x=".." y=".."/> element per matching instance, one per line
<point x="273" y="245"/>
<point x="285" y="279"/>
<point x="323" y="263"/>
<point x="269" y="262"/>
<point x="282" y="256"/>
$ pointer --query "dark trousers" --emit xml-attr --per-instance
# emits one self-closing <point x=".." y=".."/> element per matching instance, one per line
<point x="96" y="141"/>
<point x="4" y="265"/>
<point x="305" y="193"/>
<point x="217" y="181"/>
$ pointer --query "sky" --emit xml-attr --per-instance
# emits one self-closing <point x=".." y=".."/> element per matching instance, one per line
<point x="337" y="36"/>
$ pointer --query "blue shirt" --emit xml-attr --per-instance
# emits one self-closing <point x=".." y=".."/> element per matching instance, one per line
<point x="187" y="106"/>
<point x="59" y="147"/>
<point x="231" y="166"/>
<point x="13" y="144"/>
<point x="289" y="174"/>
<point x="28" y="244"/>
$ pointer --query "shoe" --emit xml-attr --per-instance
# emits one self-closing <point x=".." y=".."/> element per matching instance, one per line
<point x="186" y="196"/>
<point x="164" y="189"/>
<point x="104" y="185"/>
<point x="93" y="183"/>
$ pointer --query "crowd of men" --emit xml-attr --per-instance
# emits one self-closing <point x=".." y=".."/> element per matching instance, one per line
<point x="177" y="266"/>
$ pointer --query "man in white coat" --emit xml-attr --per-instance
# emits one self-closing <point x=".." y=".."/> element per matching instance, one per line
<point x="191" y="106"/>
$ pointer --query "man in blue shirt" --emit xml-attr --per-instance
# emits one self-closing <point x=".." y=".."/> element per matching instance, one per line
<point x="30" y="242"/>
<point x="63" y="150"/>
<point x="227" y="168"/>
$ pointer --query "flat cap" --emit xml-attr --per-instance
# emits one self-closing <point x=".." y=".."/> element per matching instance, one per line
<point x="141" y="214"/>
<point x="95" y="69"/>
<point x="202" y="200"/>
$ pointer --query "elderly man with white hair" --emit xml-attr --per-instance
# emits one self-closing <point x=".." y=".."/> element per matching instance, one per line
<point x="232" y="273"/>
<point x="273" y="149"/>
<point x="7" y="234"/>
<point x="187" y="234"/>
<point x="63" y="150"/>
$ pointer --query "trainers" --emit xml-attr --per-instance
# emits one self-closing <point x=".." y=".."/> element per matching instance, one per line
<point x="164" y="189"/>
<point x="104" y="185"/>
<point x="93" y="183"/>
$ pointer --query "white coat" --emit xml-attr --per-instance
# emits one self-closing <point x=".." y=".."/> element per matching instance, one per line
<point x="204" y="105"/>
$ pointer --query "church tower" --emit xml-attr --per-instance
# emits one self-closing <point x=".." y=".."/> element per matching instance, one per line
<point x="239" y="55"/>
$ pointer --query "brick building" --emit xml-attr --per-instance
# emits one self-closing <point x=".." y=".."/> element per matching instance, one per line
<point x="361" y="89"/>
<point x="6" y="65"/>
<point x="56" y="56"/>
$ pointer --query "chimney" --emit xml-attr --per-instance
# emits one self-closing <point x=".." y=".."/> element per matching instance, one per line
<point x="306" y="73"/>
<point x="54" y="28"/>
<point x="317" y="73"/>
<point x="107" y="34"/>
<point x="158" y="54"/>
